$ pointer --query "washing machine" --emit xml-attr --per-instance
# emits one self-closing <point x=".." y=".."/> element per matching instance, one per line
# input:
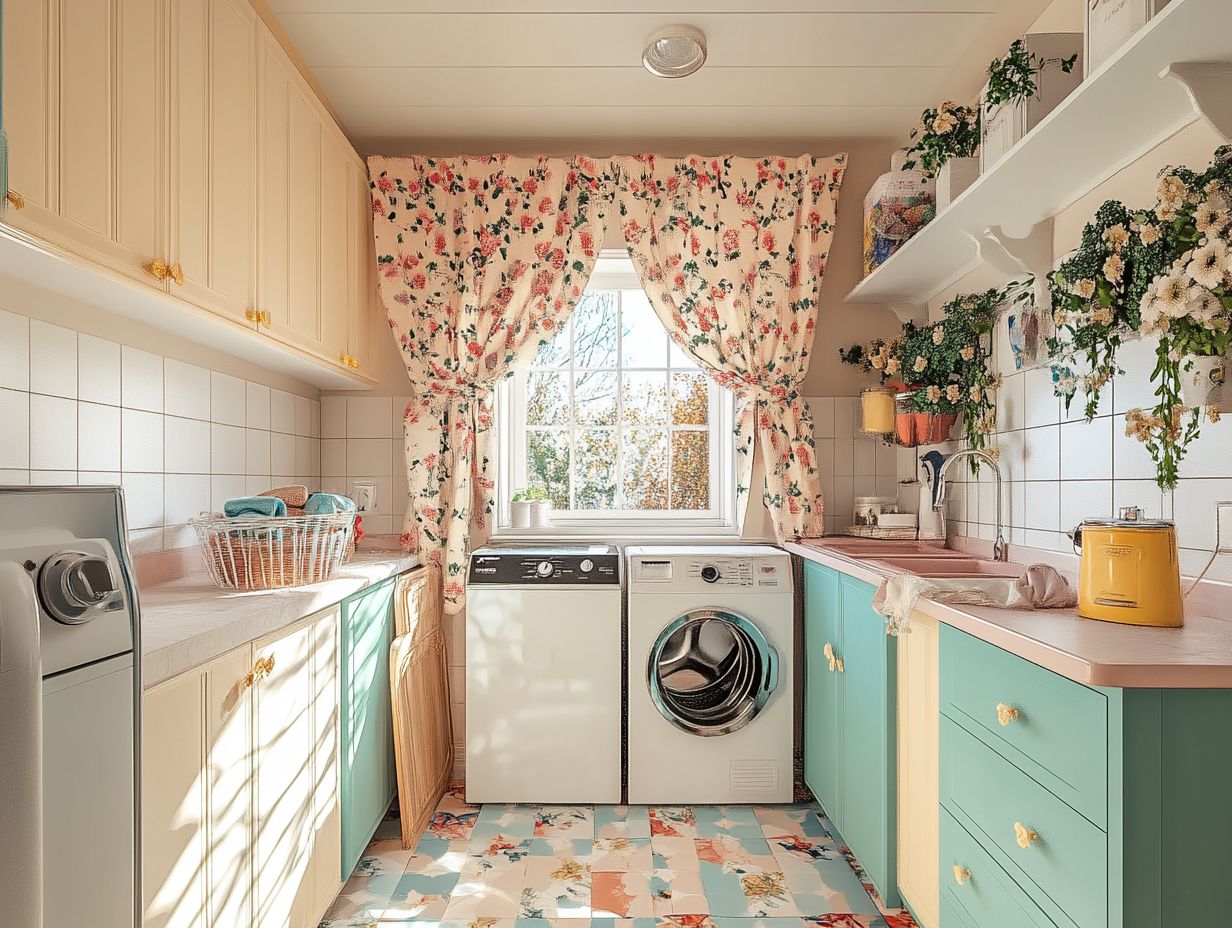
<point x="710" y="640"/>
<point x="544" y="674"/>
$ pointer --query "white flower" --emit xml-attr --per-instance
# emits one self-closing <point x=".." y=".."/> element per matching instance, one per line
<point x="1114" y="267"/>
<point x="1084" y="288"/>
<point x="1149" y="233"/>
<point x="967" y="353"/>
<point x="1209" y="266"/>
<point x="921" y="363"/>
<point x="938" y="335"/>
<point x="934" y="394"/>
<point x="953" y="392"/>
<point x="1211" y="216"/>
<point x="1172" y="294"/>
<point x="1204" y="306"/>
<point x="1172" y="191"/>
<point x="1116" y="236"/>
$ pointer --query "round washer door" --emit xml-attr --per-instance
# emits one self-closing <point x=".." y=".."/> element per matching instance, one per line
<point x="710" y="672"/>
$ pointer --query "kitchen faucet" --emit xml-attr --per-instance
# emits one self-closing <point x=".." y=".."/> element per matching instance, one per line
<point x="1000" y="551"/>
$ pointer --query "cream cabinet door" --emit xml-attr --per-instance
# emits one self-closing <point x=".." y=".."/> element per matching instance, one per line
<point x="213" y="153"/>
<point x="174" y="817"/>
<point x="29" y="113"/>
<point x="335" y="258"/>
<point x="919" y="711"/>
<point x="229" y="776"/>
<point x="295" y="762"/>
<point x="110" y="120"/>
<point x="274" y="219"/>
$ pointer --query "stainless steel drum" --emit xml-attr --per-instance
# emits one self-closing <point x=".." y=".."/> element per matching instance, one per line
<point x="710" y="672"/>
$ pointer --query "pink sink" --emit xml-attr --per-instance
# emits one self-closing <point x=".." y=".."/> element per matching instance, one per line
<point x="942" y="567"/>
<point x="877" y="548"/>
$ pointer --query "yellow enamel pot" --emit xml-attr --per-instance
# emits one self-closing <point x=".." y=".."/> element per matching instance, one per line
<point x="1129" y="571"/>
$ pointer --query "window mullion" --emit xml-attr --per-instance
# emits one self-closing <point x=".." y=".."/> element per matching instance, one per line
<point x="619" y="432"/>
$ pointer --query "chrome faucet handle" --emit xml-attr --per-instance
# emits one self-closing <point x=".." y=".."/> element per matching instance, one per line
<point x="1000" y="550"/>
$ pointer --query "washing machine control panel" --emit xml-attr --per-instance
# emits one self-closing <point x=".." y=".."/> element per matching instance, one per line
<point x="707" y="572"/>
<point x="593" y="565"/>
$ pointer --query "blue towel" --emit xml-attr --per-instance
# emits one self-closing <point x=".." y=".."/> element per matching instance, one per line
<point x="250" y="506"/>
<point x="323" y="504"/>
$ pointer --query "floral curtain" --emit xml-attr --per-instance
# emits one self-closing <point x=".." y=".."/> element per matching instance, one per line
<point x="731" y="252"/>
<point x="480" y="260"/>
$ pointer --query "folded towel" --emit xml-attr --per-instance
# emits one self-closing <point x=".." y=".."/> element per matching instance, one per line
<point x="321" y="504"/>
<point x="254" y="506"/>
<point x="1041" y="587"/>
<point x="292" y="495"/>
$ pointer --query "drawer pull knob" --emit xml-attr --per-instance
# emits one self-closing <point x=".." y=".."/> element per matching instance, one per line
<point x="16" y="200"/>
<point x="961" y="874"/>
<point x="1025" y="836"/>
<point x="158" y="269"/>
<point x="252" y="316"/>
<point x="1006" y="714"/>
<point x="839" y="665"/>
<point x="176" y="273"/>
<point x="828" y="653"/>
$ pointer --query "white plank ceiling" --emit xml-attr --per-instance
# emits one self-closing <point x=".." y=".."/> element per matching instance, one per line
<point x="483" y="71"/>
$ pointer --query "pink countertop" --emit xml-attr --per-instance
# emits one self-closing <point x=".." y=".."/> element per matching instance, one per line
<point x="1095" y="653"/>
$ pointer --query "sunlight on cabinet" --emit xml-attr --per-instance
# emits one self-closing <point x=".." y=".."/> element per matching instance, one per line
<point x="229" y="732"/>
<point x="26" y="63"/>
<point x="918" y="788"/>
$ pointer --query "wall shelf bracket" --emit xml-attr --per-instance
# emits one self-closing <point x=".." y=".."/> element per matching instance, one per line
<point x="908" y="312"/>
<point x="1209" y="85"/>
<point x="1020" y="256"/>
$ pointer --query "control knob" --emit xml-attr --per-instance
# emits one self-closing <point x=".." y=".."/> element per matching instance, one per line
<point x="710" y="573"/>
<point x="544" y="569"/>
<point x="73" y="586"/>
<point x="586" y="566"/>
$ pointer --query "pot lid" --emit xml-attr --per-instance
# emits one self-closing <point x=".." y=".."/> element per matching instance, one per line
<point x="1129" y="517"/>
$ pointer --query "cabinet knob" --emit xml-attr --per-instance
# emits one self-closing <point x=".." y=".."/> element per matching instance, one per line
<point x="260" y="670"/>
<point x="16" y="200"/>
<point x="838" y="664"/>
<point x="176" y="273"/>
<point x="157" y="268"/>
<point x="1025" y="836"/>
<point x="828" y="653"/>
<point x="252" y="316"/>
<point x="264" y="318"/>
<point x="1006" y="714"/>
<point x="961" y="874"/>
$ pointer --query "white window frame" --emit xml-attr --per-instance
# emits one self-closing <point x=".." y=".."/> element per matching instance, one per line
<point x="614" y="272"/>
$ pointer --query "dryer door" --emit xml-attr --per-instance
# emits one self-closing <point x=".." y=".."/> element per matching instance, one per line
<point x="711" y="672"/>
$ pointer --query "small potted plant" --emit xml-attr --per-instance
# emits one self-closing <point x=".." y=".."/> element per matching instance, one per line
<point x="1036" y="73"/>
<point x="946" y="142"/>
<point x="531" y="507"/>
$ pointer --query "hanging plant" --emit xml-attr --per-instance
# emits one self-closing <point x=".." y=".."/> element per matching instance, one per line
<point x="946" y="131"/>
<point x="1188" y="305"/>
<point x="878" y="355"/>
<point x="1096" y="293"/>
<point x="1013" y="77"/>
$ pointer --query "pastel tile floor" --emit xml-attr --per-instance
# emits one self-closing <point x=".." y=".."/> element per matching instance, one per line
<point x="522" y="866"/>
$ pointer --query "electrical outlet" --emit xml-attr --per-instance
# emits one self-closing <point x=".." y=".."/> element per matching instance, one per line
<point x="364" y="494"/>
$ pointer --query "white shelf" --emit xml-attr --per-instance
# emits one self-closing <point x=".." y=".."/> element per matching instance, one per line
<point x="1120" y="112"/>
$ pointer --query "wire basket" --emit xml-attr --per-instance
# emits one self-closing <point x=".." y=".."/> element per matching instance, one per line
<point x="269" y="553"/>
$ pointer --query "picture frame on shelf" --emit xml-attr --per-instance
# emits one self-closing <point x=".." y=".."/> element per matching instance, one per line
<point x="1111" y="23"/>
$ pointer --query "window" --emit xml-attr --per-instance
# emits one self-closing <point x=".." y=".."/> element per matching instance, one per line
<point x="614" y="422"/>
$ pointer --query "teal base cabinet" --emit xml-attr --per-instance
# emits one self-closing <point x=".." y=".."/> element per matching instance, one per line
<point x="369" y="781"/>
<point x="1079" y="807"/>
<point x="850" y="710"/>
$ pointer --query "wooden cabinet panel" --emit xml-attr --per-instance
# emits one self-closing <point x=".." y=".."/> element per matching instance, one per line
<point x="232" y="155"/>
<point x="229" y="774"/>
<point x="918" y="765"/>
<point x="304" y="217"/>
<point x="190" y="145"/>
<point x="173" y="805"/>
<point x="326" y="760"/>
<point x="29" y="108"/>
<point x="822" y="626"/>
<point x="335" y="257"/>
<point x="273" y="228"/>
<point x="85" y="98"/>
<point x="362" y="263"/>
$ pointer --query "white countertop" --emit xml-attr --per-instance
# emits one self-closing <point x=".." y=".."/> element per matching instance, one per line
<point x="187" y="622"/>
<point x="1198" y="655"/>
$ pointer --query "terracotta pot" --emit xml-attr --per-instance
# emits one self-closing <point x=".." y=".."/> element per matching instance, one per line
<point x="940" y="427"/>
<point x="923" y="427"/>
<point x="904" y="426"/>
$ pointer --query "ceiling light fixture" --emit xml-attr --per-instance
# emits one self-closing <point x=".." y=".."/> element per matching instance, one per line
<point x="676" y="51"/>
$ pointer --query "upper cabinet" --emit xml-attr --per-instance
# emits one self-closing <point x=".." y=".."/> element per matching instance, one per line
<point x="176" y="143"/>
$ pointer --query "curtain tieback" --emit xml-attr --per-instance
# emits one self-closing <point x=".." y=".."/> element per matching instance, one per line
<point x="751" y="390"/>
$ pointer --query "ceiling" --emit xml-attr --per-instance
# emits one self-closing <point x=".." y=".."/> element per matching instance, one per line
<point x="487" y="71"/>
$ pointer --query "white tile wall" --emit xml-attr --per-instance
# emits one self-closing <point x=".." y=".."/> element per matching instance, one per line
<point x="850" y="463"/>
<point x="362" y="440"/>
<point x="1060" y="468"/>
<point x="180" y="439"/>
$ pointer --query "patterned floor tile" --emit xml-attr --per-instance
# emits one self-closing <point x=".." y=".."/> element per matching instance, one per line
<point x="622" y="822"/>
<point x="678" y="892"/>
<point x="673" y="822"/>
<point x="564" y="822"/>
<point x="674" y="853"/>
<point x="622" y="854"/>
<point x="547" y="866"/>
<point x="620" y="895"/>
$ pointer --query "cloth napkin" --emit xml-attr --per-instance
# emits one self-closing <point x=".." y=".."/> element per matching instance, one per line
<point x="254" y="506"/>
<point x="1039" y="587"/>
<point x="321" y="504"/>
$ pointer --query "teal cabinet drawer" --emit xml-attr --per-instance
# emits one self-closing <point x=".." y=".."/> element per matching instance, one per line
<point x="1052" y="728"/>
<point x="1066" y="857"/>
<point x="987" y="896"/>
